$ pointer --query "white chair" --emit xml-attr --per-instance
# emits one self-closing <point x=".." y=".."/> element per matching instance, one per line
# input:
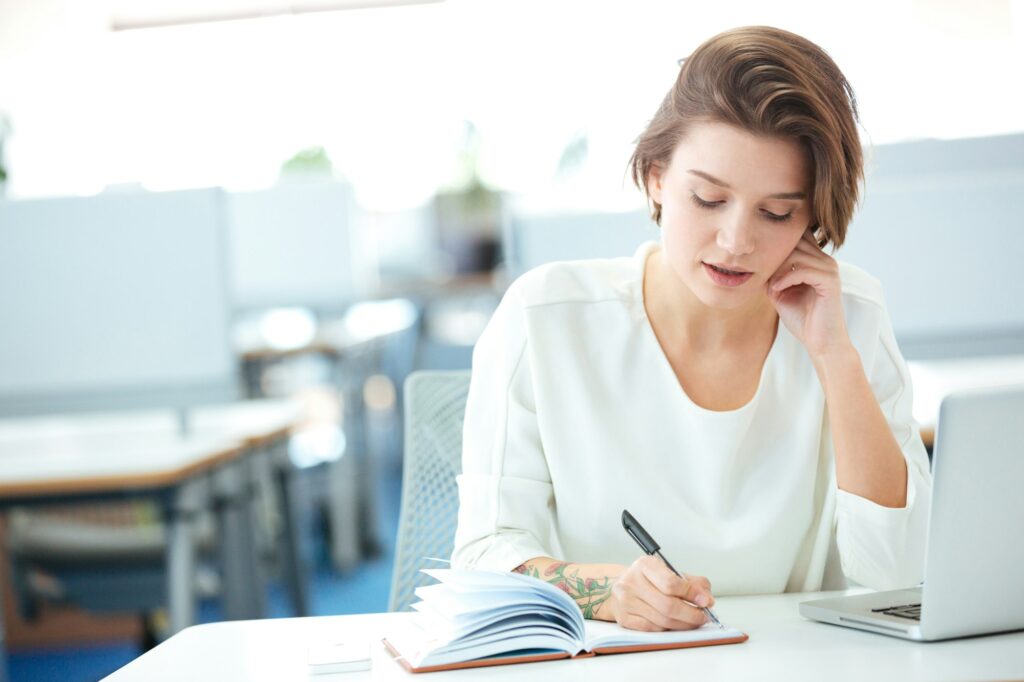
<point x="435" y="406"/>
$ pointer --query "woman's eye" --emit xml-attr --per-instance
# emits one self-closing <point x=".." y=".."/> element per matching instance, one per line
<point x="775" y="218"/>
<point x="704" y="204"/>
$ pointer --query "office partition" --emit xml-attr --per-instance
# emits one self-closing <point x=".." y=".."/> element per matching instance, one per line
<point x="942" y="227"/>
<point x="114" y="301"/>
<point x="294" y="244"/>
<point x="530" y="239"/>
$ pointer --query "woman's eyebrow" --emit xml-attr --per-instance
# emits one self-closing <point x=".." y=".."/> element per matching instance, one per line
<point x="723" y="183"/>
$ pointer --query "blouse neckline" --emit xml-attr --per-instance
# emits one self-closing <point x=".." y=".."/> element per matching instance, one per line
<point x="640" y="261"/>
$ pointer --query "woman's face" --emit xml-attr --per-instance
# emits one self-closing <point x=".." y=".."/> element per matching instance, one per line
<point x="733" y="207"/>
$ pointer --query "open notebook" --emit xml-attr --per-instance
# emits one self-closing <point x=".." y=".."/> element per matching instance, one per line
<point x="478" y="618"/>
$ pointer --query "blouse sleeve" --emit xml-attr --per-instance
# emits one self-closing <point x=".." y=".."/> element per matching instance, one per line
<point x="882" y="547"/>
<point x="505" y="492"/>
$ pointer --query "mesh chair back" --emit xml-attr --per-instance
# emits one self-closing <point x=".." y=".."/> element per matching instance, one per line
<point x="435" y="404"/>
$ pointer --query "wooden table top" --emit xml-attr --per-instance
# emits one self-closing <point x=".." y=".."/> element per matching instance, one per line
<point x="92" y="453"/>
<point x="89" y="465"/>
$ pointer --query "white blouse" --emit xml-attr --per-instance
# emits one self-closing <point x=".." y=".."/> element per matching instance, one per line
<point x="574" y="414"/>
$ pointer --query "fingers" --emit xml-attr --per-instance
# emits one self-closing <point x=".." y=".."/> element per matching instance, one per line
<point x="704" y="583"/>
<point x="634" y="621"/>
<point x="647" y="608"/>
<point x="815" y="269"/>
<point x="668" y="583"/>
<point x="650" y="596"/>
<point x="806" y="255"/>
<point x="810" y="276"/>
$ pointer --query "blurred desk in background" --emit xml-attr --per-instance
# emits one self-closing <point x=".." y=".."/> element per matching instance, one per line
<point x="101" y="467"/>
<point x="72" y="460"/>
<point x="933" y="380"/>
<point x="372" y="338"/>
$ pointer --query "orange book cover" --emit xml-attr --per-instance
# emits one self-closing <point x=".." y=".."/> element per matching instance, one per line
<point x="473" y="619"/>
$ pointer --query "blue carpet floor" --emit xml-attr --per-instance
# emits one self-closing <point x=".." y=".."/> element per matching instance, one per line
<point x="363" y="590"/>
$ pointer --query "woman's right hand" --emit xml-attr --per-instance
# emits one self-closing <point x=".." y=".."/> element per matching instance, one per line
<point x="649" y="596"/>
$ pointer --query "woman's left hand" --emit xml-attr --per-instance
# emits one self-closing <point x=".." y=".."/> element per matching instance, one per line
<point x="806" y="292"/>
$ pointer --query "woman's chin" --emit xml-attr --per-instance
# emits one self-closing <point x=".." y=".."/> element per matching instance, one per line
<point x="728" y="299"/>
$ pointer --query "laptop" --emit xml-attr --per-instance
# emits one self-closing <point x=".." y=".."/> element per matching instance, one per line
<point x="974" y="562"/>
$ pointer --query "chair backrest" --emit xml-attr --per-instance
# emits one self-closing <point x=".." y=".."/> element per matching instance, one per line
<point x="435" y="405"/>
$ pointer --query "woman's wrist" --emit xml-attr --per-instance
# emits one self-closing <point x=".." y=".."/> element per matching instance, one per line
<point x="839" y="358"/>
<point x="590" y="585"/>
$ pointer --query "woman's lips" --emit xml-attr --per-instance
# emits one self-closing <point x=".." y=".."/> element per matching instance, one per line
<point x="726" y="278"/>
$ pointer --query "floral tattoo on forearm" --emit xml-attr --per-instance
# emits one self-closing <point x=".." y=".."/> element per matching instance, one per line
<point x="589" y="593"/>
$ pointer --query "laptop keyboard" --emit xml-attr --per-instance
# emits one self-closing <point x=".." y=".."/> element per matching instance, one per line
<point x="911" y="611"/>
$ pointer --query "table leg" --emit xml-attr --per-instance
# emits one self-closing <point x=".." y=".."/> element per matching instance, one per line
<point x="252" y="373"/>
<point x="3" y="643"/>
<point x="243" y="592"/>
<point x="181" y="555"/>
<point x="343" y="497"/>
<point x="3" y="649"/>
<point x="294" y="568"/>
<point x="360" y="366"/>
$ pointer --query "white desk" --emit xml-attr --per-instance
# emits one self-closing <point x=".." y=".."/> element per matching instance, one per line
<point x="782" y="646"/>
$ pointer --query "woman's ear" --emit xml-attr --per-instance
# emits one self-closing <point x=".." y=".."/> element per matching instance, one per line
<point x="654" y="183"/>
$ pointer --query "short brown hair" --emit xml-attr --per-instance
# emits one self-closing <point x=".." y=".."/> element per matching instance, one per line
<point x="769" y="82"/>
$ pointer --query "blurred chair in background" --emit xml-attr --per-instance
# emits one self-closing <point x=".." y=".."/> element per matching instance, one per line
<point x="435" y="406"/>
<point x="104" y="558"/>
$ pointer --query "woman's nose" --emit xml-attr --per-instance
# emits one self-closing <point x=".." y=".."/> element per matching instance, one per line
<point x="736" y="236"/>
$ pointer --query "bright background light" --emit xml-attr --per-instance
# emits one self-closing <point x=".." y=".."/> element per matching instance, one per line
<point x="387" y="91"/>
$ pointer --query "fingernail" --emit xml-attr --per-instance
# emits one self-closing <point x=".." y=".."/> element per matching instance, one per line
<point x="702" y="600"/>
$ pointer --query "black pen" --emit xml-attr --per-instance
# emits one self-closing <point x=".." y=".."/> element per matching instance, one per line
<point x="651" y="548"/>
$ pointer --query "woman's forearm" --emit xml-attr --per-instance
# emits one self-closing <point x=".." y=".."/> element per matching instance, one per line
<point x="590" y="585"/>
<point x="869" y="462"/>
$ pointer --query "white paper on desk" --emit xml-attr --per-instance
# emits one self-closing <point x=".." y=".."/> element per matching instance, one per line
<point x="339" y="658"/>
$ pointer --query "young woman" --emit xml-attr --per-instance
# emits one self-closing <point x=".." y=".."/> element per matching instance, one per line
<point x="734" y="387"/>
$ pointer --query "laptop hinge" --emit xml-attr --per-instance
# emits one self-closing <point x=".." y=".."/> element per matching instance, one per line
<point x="870" y="624"/>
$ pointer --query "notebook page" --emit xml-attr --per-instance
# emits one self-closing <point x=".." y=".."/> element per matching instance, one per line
<point x="604" y="634"/>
